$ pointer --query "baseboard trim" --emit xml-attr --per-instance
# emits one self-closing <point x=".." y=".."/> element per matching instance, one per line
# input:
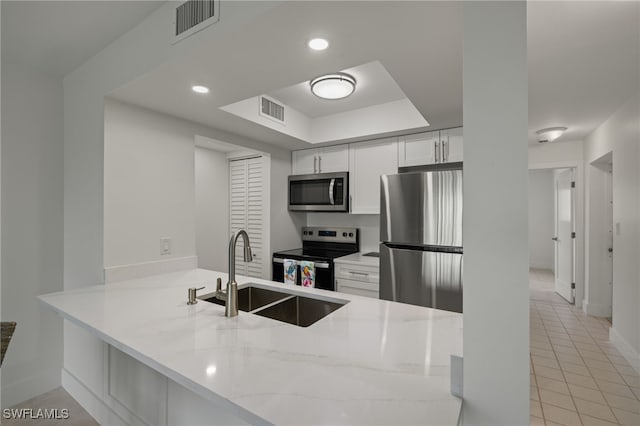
<point x="145" y="269"/>
<point x="90" y="401"/>
<point x="596" y="309"/>
<point x="629" y="353"/>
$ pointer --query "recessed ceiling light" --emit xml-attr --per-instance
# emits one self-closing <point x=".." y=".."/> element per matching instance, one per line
<point x="318" y="44"/>
<point x="333" y="86"/>
<point x="200" y="89"/>
<point x="550" y="134"/>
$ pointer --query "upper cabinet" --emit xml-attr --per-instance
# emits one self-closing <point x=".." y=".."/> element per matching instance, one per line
<point x="321" y="160"/>
<point x="451" y="143"/>
<point x="368" y="161"/>
<point x="437" y="147"/>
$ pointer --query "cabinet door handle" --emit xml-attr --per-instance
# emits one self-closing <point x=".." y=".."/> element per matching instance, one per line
<point x="319" y="164"/>
<point x="437" y="151"/>
<point x="359" y="273"/>
<point x="315" y="160"/>
<point x="445" y="151"/>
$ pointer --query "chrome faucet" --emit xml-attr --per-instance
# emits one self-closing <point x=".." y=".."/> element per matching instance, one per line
<point x="231" y="305"/>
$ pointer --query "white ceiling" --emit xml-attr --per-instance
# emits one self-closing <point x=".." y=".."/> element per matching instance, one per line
<point x="58" y="36"/>
<point x="583" y="63"/>
<point x="583" y="56"/>
<point x="374" y="86"/>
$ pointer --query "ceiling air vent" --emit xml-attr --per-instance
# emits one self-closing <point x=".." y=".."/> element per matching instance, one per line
<point x="193" y="16"/>
<point x="271" y="109"/>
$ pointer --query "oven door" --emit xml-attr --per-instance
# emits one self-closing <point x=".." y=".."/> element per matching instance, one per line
<point x="324" y="274"/>
<point x="319" y="192"/>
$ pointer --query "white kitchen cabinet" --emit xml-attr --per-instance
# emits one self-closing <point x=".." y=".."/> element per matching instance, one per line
<point x="321" y="160"/>
<point x="437" y="147"/>
<point x="418" y="149"/>
<point x="304" y="162"/>
<point x="452" y="141"/>
<point x="368" y="161"/>
<point x="361" y="280"/>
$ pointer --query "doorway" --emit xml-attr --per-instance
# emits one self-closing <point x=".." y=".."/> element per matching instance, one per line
<point x="552" y="221"/>
<point x="231" y="186"/>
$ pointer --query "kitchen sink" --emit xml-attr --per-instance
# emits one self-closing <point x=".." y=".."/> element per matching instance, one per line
<point x="250" y="298"/>
<point x="299" y="310"/>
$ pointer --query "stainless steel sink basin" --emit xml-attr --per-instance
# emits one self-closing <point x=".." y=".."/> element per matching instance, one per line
<point x="250" y="298"/>
<point x="299" y="310"/>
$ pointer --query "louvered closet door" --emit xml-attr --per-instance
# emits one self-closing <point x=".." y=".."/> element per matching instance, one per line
<point x="247" y="211"/>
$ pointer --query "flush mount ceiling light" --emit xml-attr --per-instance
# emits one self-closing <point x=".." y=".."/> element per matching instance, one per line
<point x="333" y="86"/>
<point x="550" y="134"/>
<point x="318" y="44"/>
<point x="200" y="89"/>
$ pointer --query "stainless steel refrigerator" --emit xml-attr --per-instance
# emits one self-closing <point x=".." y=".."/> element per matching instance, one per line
<point x="421" y="239"/>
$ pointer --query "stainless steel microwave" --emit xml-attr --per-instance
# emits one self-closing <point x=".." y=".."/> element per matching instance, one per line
<point x="322" y="192"/>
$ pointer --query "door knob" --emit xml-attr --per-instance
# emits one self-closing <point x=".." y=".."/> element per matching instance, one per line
<point x="555" y="238"/>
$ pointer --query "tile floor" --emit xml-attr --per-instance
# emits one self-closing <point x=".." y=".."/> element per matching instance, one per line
<point x="577" y="376"/>
<point x="57" y="398"/>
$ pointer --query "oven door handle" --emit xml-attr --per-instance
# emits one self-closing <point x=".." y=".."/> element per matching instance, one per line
<point x="319" y="265"/>
<point x="332" y="200"/>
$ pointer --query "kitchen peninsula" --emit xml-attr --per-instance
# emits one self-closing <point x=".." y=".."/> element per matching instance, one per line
<point x="368" y="362"/>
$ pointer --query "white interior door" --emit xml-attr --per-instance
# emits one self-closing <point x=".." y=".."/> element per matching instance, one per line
<point x="564" y="240"/>
<point x="608" y="265"/>
<point x="248" y="212"/>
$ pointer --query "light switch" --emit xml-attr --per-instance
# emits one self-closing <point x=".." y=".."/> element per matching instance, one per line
<point x="165" y="246"/>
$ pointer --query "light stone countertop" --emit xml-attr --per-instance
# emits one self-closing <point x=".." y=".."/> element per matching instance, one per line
<point x="370" y="362"/>
<point x="359" y="259"/>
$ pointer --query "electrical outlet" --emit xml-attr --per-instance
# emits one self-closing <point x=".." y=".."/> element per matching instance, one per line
<point x="165" y="246"/>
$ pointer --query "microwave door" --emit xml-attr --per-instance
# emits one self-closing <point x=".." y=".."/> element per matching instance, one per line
<point x="321" y="192"/>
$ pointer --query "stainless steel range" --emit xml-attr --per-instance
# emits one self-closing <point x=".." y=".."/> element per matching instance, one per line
<point x="320" y="245"/>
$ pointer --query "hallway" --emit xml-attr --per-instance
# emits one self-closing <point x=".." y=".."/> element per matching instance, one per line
<point x="577" y="376"/>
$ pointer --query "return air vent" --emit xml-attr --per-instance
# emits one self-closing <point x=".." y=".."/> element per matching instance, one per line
<point x="193" y="16"/>
<point x="271" y="109"/>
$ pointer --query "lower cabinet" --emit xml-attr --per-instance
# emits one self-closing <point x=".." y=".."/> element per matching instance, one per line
<point x="360" y="280"/>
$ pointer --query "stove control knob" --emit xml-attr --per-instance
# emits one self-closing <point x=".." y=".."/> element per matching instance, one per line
<point x="351" y="234"/>
<point x="344" y="234"/>
<point x="310" y="232"/>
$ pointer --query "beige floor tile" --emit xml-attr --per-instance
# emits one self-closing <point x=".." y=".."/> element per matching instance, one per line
<point x="587" y="394"/>
<point x="593" y="409"/>
<point x="573" y="359"/>
<point x="552" y="373"/>
<point x="542" y="353"/>
<point x="636" y="392"/>
<point x="576" y="369"/>
<point x="580" y="380"/>
<point x="627" y="404"/>
<point x="557" y="399"/>
<point x="535" y="409"/>
<point x="626" y="418"/>
<point x="560" y="415"/>
<point x="553" y="385"/>
<point x="539" y="361"/>
<point x="625" y="370"/>
<point x="592" y="421"/>
<point x="602" y="365"/>
<point x="614" y="388"/>
<point x="533" y="393"/>
<point x="607" y="375"/>
<point x="536" y="421"/>
<point x="566" y="349"/>
<point x="632" y="380"/>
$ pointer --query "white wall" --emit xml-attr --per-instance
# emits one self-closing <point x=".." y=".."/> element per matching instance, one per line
<point x="620" y="134"/>
<point x="32" y="234"/>
<point x="212" y="208"/>
<point x="149" y="185"/>
<point x="369" y="225"/>
<point x="541" y="219"/>
<point x="496" y="290"/>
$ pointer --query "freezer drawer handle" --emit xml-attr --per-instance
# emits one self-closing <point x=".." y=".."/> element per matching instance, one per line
<point x="319" y="265"/>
